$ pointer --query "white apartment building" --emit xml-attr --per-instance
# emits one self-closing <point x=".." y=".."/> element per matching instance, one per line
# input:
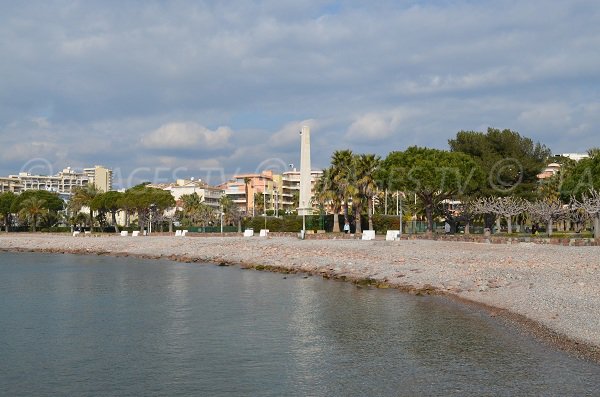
<point x="63" y="182"/>
<point x="100" y="176"/>
<point x="209" y="195"/>
<point x="291" y="186"/>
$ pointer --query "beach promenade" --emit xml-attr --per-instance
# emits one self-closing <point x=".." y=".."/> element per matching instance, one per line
<point x="552" y="290"/>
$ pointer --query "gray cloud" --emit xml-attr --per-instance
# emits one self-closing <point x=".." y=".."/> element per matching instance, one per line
<point x="102" y="82"/>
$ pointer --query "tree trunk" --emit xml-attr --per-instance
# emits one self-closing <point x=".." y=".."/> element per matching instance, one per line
<point x="498" y="225"/>
<point x="170" y="225"/>
<point x="549" y="228"/>
<point x="91" y="220"/>
<point x="34" y="222"/>
<point x="358" y="228"/>
<point x="468" y="227"/>
<point x="597" y="226"/>
<point x="114" y="220"/>
<point x="509" y="223"/>
<point x="346" y="220"/>
<point x="429" y="214"/>
<point x="336" y="222"/>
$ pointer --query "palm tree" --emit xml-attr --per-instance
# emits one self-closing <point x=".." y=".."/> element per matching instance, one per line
<point x="191" y="207"/>
<point x="343" y="177"/>
<point x="326" y="193"/>
<point x="83" y="197"/>
<point x="247" y="181"/>
<point x="33" y="207"/>
<point x="366" y="167"/>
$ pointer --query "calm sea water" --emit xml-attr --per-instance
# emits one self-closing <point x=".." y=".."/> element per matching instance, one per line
<point x="99" y="326"/>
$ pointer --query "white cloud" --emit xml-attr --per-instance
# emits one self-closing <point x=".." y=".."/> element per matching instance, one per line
<point x="555" y="114"/>
<point x="377" y="126"/>
<point x="289" y="134"/>
<point x="187" y="136"/>
<point x="90" y="82"/>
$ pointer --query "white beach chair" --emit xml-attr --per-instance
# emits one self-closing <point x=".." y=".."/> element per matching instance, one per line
<point x="183" y="233"/>
<point x="124" y="233"/>
<point x="76" y="233"/>
<point x="135" y="233"/>
<point x="177" y="233"/>
<point x="248" y="232"/>
<point x="264" y="232"/>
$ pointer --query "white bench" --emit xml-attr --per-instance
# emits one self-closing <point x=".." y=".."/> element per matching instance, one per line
<point x="183" y="233"/>
<point x="124" y="233"/>
<point x="248" y="232"/>
<point x="135" y="233"/>
<point x="368" y="235"/>
<point x="76" y="233"/>
<point x="177" y="233"/>
<point x="392" y="235"/>
<point x="264" y="232"/>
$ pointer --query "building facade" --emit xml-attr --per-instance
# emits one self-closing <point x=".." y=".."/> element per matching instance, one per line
<point x="209" y="195"/>
<point x="100" y="177"/>
<point x="63" y="182"/>
<point x="279" y="192"/>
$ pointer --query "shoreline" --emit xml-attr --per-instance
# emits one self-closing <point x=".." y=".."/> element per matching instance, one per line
<point x="548" y="300"/>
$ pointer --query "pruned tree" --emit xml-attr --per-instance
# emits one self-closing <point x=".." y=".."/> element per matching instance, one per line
<point x="509" y="207"/>
<point x="486" y="207"/>
<point x="547" y="211"/>
<point x="590" y="203"/>
<point x="577" y="215"/>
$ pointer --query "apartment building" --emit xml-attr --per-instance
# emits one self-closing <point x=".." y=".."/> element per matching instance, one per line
<point x="99" y="176"/>
<point x="209" y="195"/>
<point x="279" y="191"/>
<point x="63" y="182"/>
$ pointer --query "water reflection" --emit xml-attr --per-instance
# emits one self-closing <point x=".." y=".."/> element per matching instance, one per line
<point x="97" y="325"/>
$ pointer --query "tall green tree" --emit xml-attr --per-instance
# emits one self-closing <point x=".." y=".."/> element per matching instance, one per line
<point x="247" y="181"/>
<point x="327" y="194"/>
<point x="231" y="212"/>
<point x="580" y="178"/>
<point x="433" y="175"/>
<point x="32" y="208"/>
<point x="510" y="161"/>
<point x="343" y="175"/>
<point x="53" y="201"/>
<point x="111" y="202"/>
<point x="145" y="200"/>
<point x="6" y="201"/>
<point x="83" y="197"/>
<point x="367" y="166"/>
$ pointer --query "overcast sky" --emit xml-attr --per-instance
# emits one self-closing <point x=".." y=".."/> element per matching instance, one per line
<point x="164" y="89"/>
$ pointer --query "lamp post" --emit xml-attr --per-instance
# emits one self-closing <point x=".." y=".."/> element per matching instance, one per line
<point x="265" y="204"/>
<point x="222" y="214"/>
<point x="400" y="216"/>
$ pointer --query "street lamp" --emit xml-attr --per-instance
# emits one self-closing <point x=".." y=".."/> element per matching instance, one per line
<point x="222" y="213"/>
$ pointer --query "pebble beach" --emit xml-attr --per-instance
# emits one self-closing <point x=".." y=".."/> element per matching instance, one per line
<point x="552" y="290"/>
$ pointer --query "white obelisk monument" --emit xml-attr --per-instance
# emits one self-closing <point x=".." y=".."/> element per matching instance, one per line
<point x="305" y="205"/>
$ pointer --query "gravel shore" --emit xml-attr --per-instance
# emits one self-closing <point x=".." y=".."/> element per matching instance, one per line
<point x="554" y="290"/>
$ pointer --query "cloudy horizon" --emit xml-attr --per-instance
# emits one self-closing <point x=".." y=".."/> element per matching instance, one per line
<point x="206" y="89"/>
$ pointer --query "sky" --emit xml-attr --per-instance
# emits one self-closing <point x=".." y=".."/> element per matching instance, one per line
<point x="159" y="90"/>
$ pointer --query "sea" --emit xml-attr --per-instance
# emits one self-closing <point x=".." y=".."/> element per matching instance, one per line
<point x="76" y="325"/>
